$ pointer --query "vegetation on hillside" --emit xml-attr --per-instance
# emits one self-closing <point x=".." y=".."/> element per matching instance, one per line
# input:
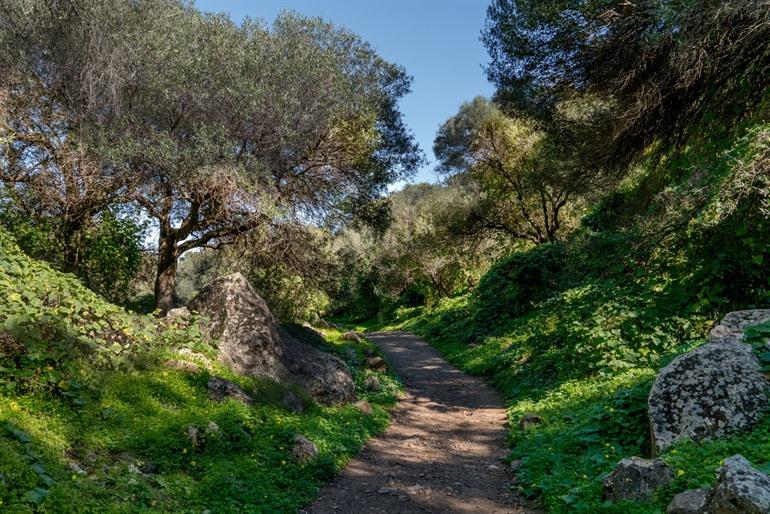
<point x="596" y="216"/>
<point x="93" y="419"/>
<point x="628" y="198"/>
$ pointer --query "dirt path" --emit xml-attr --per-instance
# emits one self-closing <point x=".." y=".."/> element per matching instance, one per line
<point x="442" y="451"/>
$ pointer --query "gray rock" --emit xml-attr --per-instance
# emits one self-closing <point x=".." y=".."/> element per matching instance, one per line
<point x="192" y="434"/>
<point x="529" y="420"/>
<point x="304" y="450"/>
<point x="221" y="389"/>
<point x="734" y="324"/>
<point x="252" y="343"/>
<point x="326" y="377"/>
<point x="740" y="489"/>
<point x="181" y="313"/>
<point x="187" y="367"/>
<point x="636" y="479"/>
<point x="212" y="428"/>
<point x="377" y="364"/>
<point x="714" y="390"/>
<point x="351" y="336"/>
<point x="76" y="468"/>
<point x="689" y="502"/>
<point x="293" y="403"/>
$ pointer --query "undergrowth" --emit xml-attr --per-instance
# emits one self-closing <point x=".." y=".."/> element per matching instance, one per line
<point x="575" y="332"/>
<point x="92" y="419"/>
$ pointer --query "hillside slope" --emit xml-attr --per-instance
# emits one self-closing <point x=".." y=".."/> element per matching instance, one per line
<point x="93" y="418"/>
<point x="575" y="332"/>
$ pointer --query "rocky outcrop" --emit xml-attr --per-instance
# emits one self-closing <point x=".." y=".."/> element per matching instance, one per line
<point x="251" y="342"/>
<point x="689" y="502"/>
<point x="740" y="489"/>
<point x="714" y="390"/>
<point x="734" y="324"/>
<point x="636" y="479"/>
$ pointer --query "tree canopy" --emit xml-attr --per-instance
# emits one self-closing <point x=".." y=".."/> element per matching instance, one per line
<point x="209" y="127"/>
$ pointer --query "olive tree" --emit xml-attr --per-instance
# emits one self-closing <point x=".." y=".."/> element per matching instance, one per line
<point x="219" y="128"/>
<point x="528" y="172"/>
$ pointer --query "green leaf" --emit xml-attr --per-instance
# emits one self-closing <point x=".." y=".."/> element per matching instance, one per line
<point x="37" y="495"/>
<point x="18" y="434"/>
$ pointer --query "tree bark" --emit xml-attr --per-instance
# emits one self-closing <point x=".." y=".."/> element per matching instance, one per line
<point x="166" y="274"/>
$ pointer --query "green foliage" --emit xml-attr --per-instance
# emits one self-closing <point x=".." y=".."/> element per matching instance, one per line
<point x="90" y="416"/>
<point x="57" y="324"/>
<point x="108" y="249"/>
<point x="576" y="332"/>
<point x="516" y="283"/>
<point x="644" y="57"/>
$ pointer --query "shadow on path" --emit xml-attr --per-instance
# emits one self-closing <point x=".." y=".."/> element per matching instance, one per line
<point x="442" y="452"/>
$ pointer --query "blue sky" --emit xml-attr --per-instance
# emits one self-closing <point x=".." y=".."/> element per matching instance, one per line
<point x="436" y="40"/>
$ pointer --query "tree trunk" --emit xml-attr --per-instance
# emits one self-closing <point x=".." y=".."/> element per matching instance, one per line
<point x="166" y="275"/>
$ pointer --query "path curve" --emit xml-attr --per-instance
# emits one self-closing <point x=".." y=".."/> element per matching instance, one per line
<point x="442" y="452"/>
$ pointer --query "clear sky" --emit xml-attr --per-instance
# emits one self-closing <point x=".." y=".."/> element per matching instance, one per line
<point x="436" y="40"/>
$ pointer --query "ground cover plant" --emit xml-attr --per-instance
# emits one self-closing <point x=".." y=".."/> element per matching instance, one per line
<point x="91" y="419"/>
<point x="576" y="331"/>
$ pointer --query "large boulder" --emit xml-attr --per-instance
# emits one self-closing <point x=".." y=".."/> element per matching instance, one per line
<point x="740" y="489"/>
<point x="734" y="324"/>
<point x="712" y="391"/>
<point x="636" y="479"/>
<point x="251" y="342"/>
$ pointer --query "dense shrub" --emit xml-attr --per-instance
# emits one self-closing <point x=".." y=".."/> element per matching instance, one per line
<point x="515" y="284"/>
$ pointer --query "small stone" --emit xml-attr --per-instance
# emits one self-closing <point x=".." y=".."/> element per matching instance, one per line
<point x="364" y="407"/>
<point x="212" y="427"/>
<point x="492" y="467"/>
<point x="529" y="420"/>
<point x="192" y="434"/>
<point x="386" y="490"/>
<point x="304" y="450"/>
<point x="75" y="468"/>
<point x="740" y="489"/>
<point x="148" y="468"/>
<point x="377" y="364"/>
<point x="181" y="313"/>
<point x="372" y="383"/>
<point x="689" y="502"/>
<point x="636" y="479"/>
<point x="292" y="403"/>
<point x="187" y="367"/>
<point x="351" y="336"/>
<point x="221" y="389"/>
